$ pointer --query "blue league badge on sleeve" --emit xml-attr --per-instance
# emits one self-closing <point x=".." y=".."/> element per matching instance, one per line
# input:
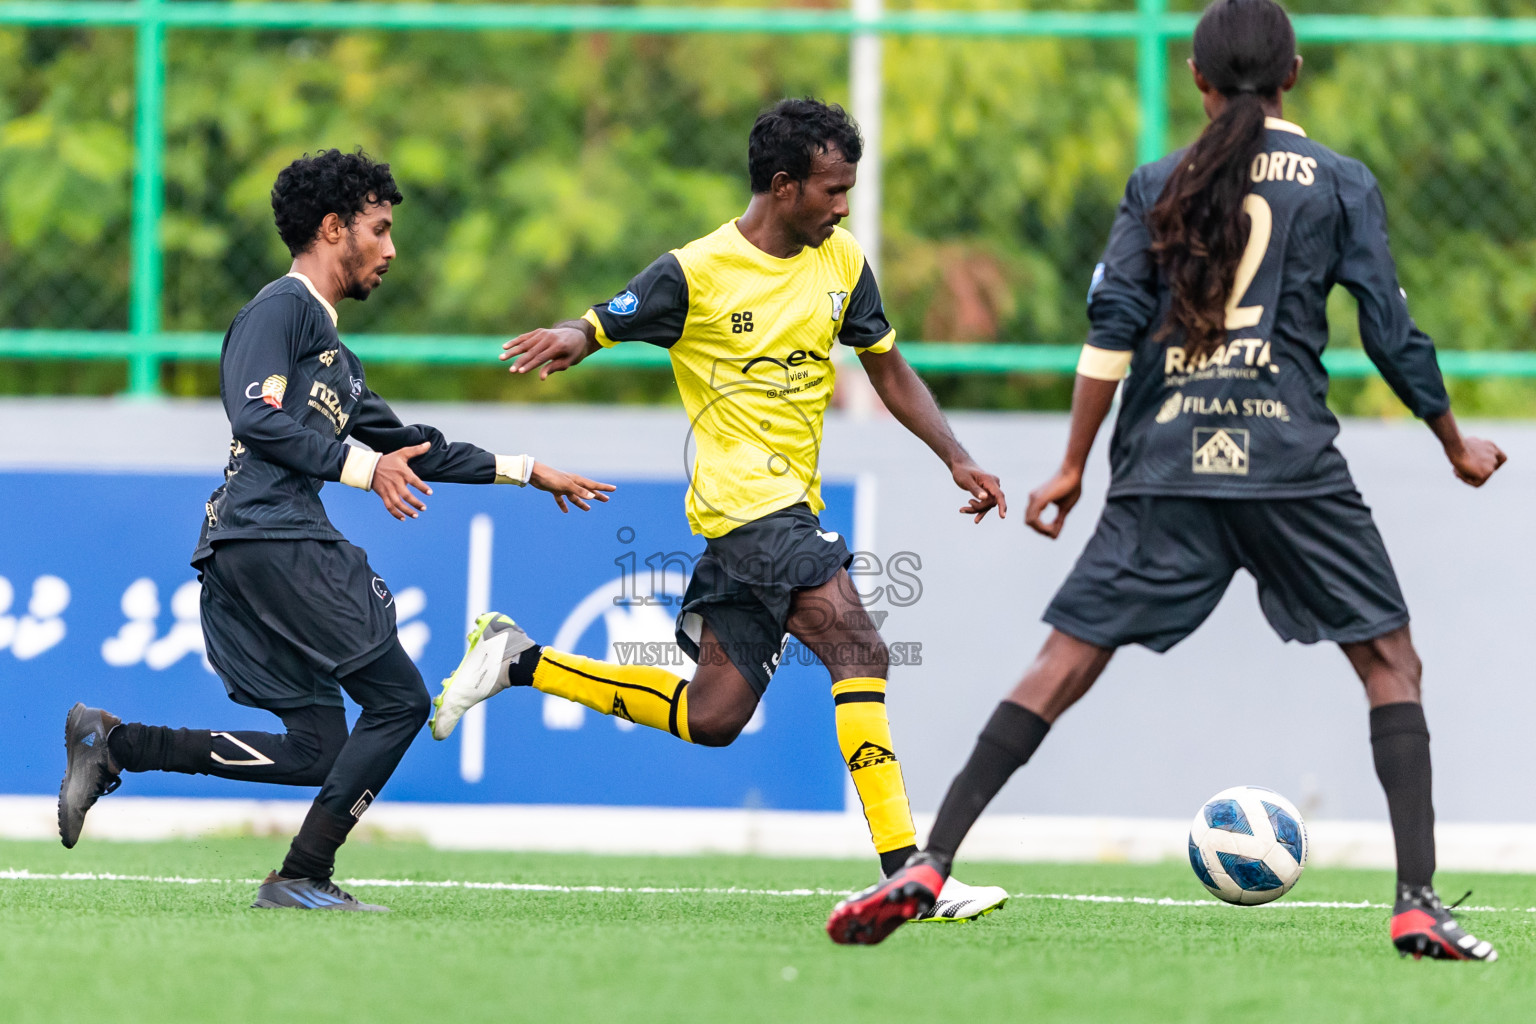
<point x="624" y="303"/>
<point x="1098" y="279"/>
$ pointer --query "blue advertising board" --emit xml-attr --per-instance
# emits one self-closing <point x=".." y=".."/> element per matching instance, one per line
<point x="98" y="604"/>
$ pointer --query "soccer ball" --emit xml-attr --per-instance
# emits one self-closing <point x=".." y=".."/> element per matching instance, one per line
<point x="1248" y="845"/>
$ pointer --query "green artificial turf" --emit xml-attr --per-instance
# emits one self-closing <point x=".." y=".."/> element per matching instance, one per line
<point x="126" y="951"/>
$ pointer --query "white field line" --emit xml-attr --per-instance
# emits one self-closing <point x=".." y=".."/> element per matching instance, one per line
<point x="1167" y="901"/>
<point x="23" y="875"/>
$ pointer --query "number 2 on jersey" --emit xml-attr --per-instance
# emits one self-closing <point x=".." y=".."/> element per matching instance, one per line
<point x="1261" y="221"/>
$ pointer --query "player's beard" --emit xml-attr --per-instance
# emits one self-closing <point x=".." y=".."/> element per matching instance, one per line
<point x="356" y="263"/>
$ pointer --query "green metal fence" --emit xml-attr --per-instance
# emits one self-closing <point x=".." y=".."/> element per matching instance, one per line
<point x="1150" y="28"/>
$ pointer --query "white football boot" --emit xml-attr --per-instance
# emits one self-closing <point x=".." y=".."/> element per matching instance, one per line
<point x="494" y="643"/>
<point x="960" y="902"/>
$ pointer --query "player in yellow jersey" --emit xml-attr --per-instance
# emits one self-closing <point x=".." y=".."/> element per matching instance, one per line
<point x="750" y="314"/>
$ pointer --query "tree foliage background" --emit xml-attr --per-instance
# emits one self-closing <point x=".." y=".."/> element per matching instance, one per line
<point x="542" y="170"/>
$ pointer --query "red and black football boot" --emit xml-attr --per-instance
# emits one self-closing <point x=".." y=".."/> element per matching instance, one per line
<point x="866" y="918"/>
<point x="1423" y="926"/>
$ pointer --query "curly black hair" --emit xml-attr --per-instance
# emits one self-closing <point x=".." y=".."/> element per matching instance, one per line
<point x="328" y="182"/>
<point x="788" y="136"/>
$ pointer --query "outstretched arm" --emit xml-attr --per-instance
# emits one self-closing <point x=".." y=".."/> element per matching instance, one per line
<point x="438" y="460"/>
<point x="910" y="401"/>
<point x="551" y="349"/>
<point x="652" y="308"/>
<point x="1091" y="399"/>
<point x="416" y="453"/>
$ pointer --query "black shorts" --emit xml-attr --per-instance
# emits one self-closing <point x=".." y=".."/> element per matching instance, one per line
<point x="284" y="619"/>
<point x="1157" y="566"/>
<point x="744" y="582"/>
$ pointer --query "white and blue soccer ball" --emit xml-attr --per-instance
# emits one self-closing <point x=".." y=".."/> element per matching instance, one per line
<point x="1248" y="845"/>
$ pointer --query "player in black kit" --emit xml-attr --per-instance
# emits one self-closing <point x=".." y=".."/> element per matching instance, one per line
<point x="1212" y="293"/>
<point x="293" y="615"/>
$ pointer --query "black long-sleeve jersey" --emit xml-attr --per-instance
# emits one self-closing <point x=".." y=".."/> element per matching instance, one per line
<point x="1252" y="420"/>
<point x="294" y="394"/>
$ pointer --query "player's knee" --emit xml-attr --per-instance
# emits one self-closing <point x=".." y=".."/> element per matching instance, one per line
<point x="417" y="706"/>
<point x="1390" y="668"/>
<point x="714" y="728"/>
<point x="712" y="735"/>
<point x="1407" y="674"/>
<point x="408" y="705"/>
<point x="391" y="688"/>
<point x="862" y="658"/>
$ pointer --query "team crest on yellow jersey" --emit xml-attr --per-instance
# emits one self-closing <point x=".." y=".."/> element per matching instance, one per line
<point x="839" y="300"/>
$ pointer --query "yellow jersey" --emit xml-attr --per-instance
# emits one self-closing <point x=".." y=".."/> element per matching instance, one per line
<point x="751" y="336"/>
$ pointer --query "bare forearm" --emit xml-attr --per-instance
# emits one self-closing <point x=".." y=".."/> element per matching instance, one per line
<point x="1091" y="400"/>
<point x="920" y="414"/>
<point x="913" y="405"/>
<point x="1447" y="431"/>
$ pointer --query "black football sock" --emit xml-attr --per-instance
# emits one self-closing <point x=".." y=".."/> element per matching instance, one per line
<point x="1400" y="745"/>
<point x="313" y="853"/>
<point x="520" y="669"/>
<point x="156" y="748"/>
<point x="892" y="861"/>
<point x="299" y="757"/>
<point x="1009" y="739"/>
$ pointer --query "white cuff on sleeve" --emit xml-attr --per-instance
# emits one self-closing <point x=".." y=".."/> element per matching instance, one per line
<point x="1103" y="363"/>
<point x="357" y="471"/>
<point x="514" y="469"/>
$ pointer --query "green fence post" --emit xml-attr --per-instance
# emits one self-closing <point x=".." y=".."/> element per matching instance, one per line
<point x="1152" y="80"/>
<point x="148" y="199"/>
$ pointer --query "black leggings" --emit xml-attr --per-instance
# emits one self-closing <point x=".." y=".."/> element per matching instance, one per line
<point x="314" y="749"/>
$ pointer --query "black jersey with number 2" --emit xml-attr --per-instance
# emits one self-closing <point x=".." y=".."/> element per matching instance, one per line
<point x="1251" y="420"/>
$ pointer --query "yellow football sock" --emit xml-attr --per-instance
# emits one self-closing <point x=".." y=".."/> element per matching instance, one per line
<point x="864" y="736"/>
<point x="641" y="694"/>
